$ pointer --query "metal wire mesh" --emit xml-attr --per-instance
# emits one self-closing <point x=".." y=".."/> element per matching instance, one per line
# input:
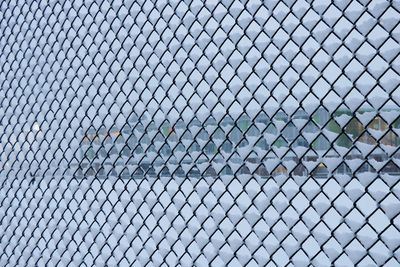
<point x="200" y="133"/>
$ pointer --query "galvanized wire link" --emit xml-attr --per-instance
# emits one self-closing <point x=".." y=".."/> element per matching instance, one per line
<point x="200" y="133"/>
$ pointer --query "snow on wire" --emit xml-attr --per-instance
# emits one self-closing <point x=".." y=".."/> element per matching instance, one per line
<point x="200" y="133"/>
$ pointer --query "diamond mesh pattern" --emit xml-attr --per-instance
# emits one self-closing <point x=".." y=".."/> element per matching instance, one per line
<point x="200" y="133"/>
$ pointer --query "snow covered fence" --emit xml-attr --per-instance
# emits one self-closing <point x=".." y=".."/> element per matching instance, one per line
<point x="199" y="133"/>
<point x="228" y="221"/>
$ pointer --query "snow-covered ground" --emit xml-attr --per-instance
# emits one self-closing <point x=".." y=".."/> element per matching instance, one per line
<point x="229" y="221"/>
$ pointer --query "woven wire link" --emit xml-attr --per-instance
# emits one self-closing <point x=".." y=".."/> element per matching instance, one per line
<point x="200" y="133"/>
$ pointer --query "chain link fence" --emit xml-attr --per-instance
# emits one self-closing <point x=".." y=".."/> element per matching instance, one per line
<point x="200" y="133"/>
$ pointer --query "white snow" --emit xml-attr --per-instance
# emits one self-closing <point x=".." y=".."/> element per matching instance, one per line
<point x="102" y="217"/>
<point x="75" y="71"/>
